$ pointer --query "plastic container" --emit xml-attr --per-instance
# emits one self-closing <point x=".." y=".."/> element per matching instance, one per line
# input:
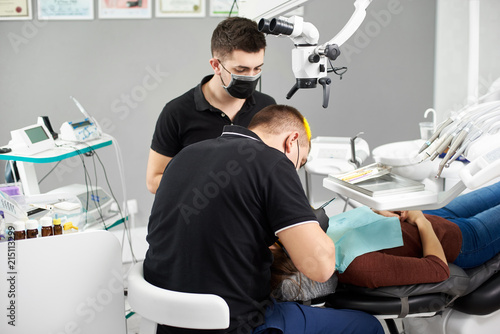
<point x="70" y="228"/>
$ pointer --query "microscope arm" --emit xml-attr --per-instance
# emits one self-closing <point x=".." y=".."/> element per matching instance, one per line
<point x="309" y="60"/>
<point x="352" y="25"/>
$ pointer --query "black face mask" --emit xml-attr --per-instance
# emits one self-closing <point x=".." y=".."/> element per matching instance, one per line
<point x="241" y="86"/>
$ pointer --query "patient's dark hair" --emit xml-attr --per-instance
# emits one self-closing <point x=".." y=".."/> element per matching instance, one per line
<point x="236" y="33"/>
<point x="282" y="268"/>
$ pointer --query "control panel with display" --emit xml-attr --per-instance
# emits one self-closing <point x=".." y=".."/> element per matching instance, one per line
<point x="31" y="139"/>
<point x="79" y="131"/>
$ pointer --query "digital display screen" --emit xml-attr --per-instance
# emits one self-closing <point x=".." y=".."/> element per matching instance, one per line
<point x="80" y="124"/>
<point x="36" y="134"/>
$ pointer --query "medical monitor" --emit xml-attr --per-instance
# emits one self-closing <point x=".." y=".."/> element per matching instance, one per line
<point x="256" y="10"/>
<point x="32" y="139"/>
<point x="36" y="134"/>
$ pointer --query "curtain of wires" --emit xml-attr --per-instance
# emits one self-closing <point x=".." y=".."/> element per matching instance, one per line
<point x="91" y="185"/>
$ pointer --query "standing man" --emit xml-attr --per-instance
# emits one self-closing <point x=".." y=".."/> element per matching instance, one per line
<point x="221" y="204"/>
<point x="227" y="97"/>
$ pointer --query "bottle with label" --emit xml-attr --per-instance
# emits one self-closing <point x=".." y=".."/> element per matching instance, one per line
<point x="31" y="229"/>
<point x="57" y="226"/>
<point x="19" y="230"/>
<point x="47" y="229"/>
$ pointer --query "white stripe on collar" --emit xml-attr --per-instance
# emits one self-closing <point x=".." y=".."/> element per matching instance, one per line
<point x="240" y="134"/>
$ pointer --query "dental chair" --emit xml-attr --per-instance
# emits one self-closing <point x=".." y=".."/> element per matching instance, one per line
<point x="467" y="295"/>
<point x="468" y="302"/>
<point x="178" y="309"/>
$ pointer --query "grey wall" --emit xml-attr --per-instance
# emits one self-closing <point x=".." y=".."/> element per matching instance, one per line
<point x="124" y="71"/>
<point x="452" y="56"/>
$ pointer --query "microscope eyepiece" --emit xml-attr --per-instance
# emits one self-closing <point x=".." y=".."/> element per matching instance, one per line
<point x="278" y="26"/>
<point x="275" y="27"/>
<point x="264" y="26"/>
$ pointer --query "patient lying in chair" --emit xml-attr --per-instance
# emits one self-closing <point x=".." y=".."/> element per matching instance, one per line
<point x="466" y="232"/>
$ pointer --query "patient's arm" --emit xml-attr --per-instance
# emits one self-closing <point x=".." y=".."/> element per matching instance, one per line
<point x="408" y="264"/>
<point x="430" y="242"/>
<point x="401" y="215"/>
<point x="386" y="213"/>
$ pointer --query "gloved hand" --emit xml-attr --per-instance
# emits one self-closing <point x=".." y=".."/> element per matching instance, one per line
<point x="322" y="218"/>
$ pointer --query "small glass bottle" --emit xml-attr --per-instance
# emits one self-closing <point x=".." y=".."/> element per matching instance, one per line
<point x="31" y="229"/>
<point x="57" y="226"/>
<point x="19" y="230"/>
<point x="3" y="230"/>
<point x="47" y="229"/>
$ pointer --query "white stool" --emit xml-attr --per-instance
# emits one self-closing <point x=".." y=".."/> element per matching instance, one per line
<point x="178" y="309"/>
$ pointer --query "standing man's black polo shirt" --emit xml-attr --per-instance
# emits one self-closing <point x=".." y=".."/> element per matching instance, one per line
<point x="189" y="119"/>
<point x="217" y="210"/>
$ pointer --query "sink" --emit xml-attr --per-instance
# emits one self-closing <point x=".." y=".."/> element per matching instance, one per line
<point x="401" y="156"/>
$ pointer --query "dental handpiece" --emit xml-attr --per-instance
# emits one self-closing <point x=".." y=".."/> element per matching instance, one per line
<point x="436" y="134"/>
<point x="464" y="146"/>
<point x="451" y="126"/>
<point x="442" y="147"/>
<point x="458" y="140"/>
<point x="428" y="151"/>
